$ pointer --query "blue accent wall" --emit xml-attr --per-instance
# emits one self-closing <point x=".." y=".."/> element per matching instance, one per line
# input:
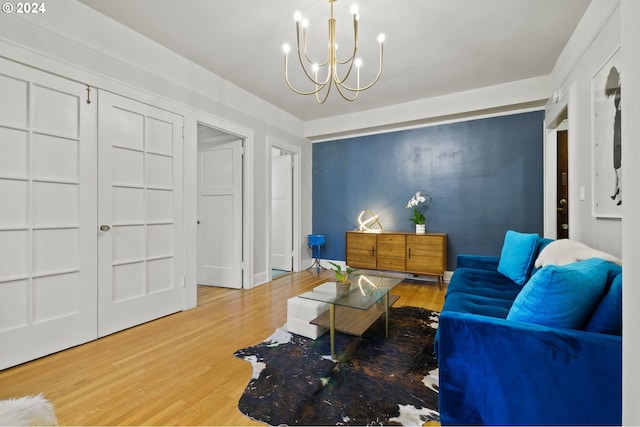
<point x="485" y="177"/>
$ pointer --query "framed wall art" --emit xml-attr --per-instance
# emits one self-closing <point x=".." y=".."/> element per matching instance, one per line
<point x="606" y="95"/>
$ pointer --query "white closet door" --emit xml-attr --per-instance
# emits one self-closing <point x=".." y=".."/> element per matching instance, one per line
<point x="220" y="214"/>
<point x="139" y="213"/>
<point x="48" y="284"/>
<point x="282" y="212"/>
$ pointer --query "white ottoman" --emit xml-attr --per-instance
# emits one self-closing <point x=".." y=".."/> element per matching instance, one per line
<point x="300" y="311"/>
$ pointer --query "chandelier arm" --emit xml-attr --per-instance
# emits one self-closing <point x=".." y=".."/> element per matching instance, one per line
<point x="374" y="80"/>
<point x="350" y="61"/>
<point x="326" y="95"/>
<point x="355" y="44"/>
<point x="319" y="86"/>
<point x="340" y="82"/>
<point x="299" y="92"/>
<point x="341" y="87"/>
<point x="304" y="44"/>
<point x="346" y="61"/>
<point x="304" y="69"/>
<point x="314" y="81"/>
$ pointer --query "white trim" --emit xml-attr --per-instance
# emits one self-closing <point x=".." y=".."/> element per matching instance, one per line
<point x="502" y="99"/>
<point x="566" y="104"/>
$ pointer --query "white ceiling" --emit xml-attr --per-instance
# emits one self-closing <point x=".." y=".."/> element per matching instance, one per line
<point x="432" y="48"/>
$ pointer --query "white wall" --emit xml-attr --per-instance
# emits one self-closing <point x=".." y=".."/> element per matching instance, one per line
<point x="78" y="43"/>
<point x="606" y="25"/>
<point x="630" y="13"/>
<point x="594" y="41"/>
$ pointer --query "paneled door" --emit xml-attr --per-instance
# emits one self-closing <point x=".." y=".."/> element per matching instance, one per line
<point x="139" y="216"/>
<point x="220" y="214"/>
<point x="282" y="212"/>
<point x="48" y="282"/>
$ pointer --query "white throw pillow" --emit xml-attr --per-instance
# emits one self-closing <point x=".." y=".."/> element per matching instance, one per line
<point x="566" y="251"/>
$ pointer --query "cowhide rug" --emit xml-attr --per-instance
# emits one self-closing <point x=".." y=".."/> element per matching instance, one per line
<point x="27" y="411"/>
<point x="377" y="380"/>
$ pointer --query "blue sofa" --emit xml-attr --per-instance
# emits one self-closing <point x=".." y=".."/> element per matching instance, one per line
<point x="503" y="362"/>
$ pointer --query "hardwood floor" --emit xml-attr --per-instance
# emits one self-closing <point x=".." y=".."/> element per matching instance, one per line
<point x="178" y="370"/>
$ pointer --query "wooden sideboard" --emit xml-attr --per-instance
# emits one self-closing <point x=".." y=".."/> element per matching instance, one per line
<point x="406" y="252"/>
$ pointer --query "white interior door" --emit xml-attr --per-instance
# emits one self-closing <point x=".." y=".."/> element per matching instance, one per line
<point x="220" y="214"/>
<point x="140" y="199"/>
<point x="48" y="287"/>
<point x="282" y="212"/>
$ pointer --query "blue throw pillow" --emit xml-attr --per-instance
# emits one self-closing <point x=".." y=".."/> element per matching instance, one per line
<point x="518" y="255"/>
<point x="561" y="296"/>
<point x="607" y="318"/>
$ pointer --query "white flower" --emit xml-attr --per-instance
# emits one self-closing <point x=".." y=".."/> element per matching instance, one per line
<point x="416" y="200"/>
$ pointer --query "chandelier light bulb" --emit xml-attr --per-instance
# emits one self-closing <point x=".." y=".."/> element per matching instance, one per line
<point x="297" y="16"/>
<point x="354" y="9"/>
<point x="315" y="68"/>
<point x="305" y="23"/>
<point x="381" y="38"/>
<point x="286" y="48"/>
<point x="358" y="62"/>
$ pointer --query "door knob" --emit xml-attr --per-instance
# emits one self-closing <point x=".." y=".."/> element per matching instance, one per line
<point x="563" y="202"/>
<point x="565" y="226"/>
<point x="105" y="228"/>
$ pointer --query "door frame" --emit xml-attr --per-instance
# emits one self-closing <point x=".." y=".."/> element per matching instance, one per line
<point x="226" y="142"/>
<point x="191" y="197"/>
<point x="295" y="152"/>
<point x="560" y="108"/>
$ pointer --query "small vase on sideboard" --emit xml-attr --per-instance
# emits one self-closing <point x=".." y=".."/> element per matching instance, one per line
<point x="421" y="228"/>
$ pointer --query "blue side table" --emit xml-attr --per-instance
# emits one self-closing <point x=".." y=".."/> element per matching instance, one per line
<point x="315" y="241"/>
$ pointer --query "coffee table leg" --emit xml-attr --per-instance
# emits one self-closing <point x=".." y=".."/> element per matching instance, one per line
<point x="332" y="329"/>
<point x="386" y="315"/>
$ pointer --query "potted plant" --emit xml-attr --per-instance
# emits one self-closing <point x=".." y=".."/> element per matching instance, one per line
<point x="343" y="283"/>
<point x="417" y="202"/>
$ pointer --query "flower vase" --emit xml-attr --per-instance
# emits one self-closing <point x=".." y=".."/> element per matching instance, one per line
<point x="342" y="289"/>
<point x="421" y="228"/>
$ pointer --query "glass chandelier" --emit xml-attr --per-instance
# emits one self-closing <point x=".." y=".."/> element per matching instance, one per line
<point x="312" y="69"/>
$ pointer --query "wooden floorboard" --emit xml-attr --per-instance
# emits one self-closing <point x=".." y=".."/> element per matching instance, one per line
<point x="178" y="370"/>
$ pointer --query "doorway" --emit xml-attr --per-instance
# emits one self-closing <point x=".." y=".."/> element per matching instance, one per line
<point x="562" y="182"/>
<point x="281" y="212"/>
<point x="559" y="195"/>
<point x="284" y="238"/>
<point x="220" y="208"/>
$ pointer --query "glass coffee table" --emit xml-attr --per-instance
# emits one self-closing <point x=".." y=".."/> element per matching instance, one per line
<point x="356" y="310"/>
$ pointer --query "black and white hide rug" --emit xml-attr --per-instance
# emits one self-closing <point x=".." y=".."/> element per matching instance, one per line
<point x="376" y="380"/>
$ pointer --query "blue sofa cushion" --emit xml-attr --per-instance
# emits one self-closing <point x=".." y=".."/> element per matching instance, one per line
<point x="482" y="282"/>
<point x="519" y="251"/>
<point x="478" y="304"/>
<point x="562" y="296"/>
<point x="607" y="318"/>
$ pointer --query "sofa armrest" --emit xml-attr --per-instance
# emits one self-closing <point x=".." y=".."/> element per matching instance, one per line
<point x="494" y="371"/>
<point x="477" y="261"/>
